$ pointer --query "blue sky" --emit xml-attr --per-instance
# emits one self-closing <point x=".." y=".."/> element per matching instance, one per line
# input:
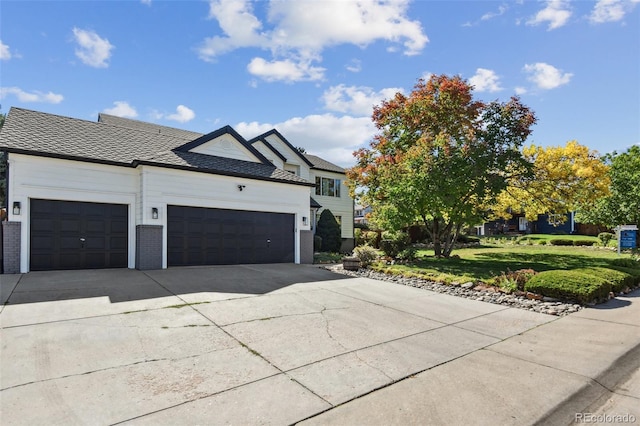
<point x="314" y="69"/>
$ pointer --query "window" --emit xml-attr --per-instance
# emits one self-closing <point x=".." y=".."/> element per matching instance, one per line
<point x="328" y="187"/>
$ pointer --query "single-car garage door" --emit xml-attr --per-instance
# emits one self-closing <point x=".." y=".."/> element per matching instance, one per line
<point x="78" y="235"/>
<point x="203" y="236"/>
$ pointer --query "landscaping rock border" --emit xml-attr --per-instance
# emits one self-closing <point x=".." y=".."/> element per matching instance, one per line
<point x="534" y="303"/>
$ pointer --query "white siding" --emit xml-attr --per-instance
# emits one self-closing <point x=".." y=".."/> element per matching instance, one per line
<point x="226" y="146"/>
<point x="53" y="179"/>
<point x="176" y="187"/>
<point x="292" y="157"/>
<point x="340" y="206"/>
<point x="270" y="155"/>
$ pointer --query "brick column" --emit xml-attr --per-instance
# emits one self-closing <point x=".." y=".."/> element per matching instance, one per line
<point x="148" y="247"/>
<point x="11" y="247"/>
<point x="306" y="247"/>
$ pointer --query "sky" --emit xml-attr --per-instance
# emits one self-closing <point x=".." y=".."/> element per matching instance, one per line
<point x="315" y="69"/>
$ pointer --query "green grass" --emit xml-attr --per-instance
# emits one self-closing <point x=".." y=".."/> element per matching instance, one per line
<point x="486" y="262"/>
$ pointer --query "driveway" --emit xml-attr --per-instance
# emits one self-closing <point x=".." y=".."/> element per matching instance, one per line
<point x="256" y="344"/>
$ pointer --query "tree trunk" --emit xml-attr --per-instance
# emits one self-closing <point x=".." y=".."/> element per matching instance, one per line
<point x="437" y="247"/>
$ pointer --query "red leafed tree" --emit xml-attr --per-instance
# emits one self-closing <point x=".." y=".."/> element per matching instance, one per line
<point x="440" y="157"/>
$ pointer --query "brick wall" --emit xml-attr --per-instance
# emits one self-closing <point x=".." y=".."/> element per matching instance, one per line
<point x="11" y="247"/>
<point x="148" y="247"/>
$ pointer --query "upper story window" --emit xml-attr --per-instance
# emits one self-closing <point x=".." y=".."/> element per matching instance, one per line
<point x="328" y="187"/>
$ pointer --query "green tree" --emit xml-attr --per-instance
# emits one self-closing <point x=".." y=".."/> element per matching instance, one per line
<point x="329" y="229"/>
<point x="622" y="206"/>
<point x="440" y="157"/>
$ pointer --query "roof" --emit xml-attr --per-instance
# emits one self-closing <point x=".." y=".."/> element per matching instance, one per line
<point x="123" y="142"/>
<point x="321" y="164"/>
<point x="314" y="204"/>
<point x="263" y="138"/>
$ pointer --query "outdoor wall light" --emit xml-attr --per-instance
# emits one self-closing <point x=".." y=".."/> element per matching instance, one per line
<point x="305" y="220"/>
<point x="154" y="213"/>
<point x="16" y="208"/>
<point x="241" y="187"/>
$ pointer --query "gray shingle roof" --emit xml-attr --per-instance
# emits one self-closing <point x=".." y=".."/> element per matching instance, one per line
<point x="321" y="164"/>
<point x="122" y="142"/>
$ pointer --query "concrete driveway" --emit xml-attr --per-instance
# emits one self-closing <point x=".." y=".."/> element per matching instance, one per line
<point x="257" y="344"/>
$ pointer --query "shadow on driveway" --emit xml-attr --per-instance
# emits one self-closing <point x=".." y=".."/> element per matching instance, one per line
<point x="123" y="285"/>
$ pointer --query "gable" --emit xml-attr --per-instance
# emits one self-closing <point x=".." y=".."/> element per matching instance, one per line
<point x="226" y="146"/>
<point x="227" y="143"/>
<point x="271" y="154"/>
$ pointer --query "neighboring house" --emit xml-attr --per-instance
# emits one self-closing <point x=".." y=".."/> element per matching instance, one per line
<point x="360" y="214"/>
<point x="121" y="193"/>
<point x="544" y="224"/>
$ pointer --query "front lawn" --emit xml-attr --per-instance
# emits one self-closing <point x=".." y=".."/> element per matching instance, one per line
<point x="487" y="262"/>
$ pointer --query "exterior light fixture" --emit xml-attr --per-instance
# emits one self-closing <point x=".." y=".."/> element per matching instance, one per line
<point x="305" y="220"/>
<point x="16" y="208"/>
<point x="154" y="212"/>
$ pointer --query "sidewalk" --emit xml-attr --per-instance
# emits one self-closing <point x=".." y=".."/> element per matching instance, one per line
<point x="581" y="368"/>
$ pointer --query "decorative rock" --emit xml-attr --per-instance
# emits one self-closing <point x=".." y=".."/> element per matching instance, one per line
<point x="528" y="301"/>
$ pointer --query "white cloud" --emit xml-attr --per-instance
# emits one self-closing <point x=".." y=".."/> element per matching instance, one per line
<point x="285" y="70"/>
<point x="546" y="76"/>
<point x="520" y="90"/>
<point x="328" y="136"/>
<point x="556" y="13"/>
<point x="485" y="80"/>
<point x="182" y="114"/>
<point x="355" y="65"/>
<point x="5" y="53"/>
<point x="354" y="99"/>
<point x="35" y="96"/>
<point x="92" y="49"/>
<point x="122" y="109"/>
<point x="490" y="15"/>
<point x="147" y="2"/>
<point x="298" y="31"/>
<point x="611" y="10"/>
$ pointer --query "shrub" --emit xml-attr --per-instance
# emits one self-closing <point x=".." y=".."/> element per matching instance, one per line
<point x="466" y="239"/>
<point x="561" y="242"/>
<point x="317" y="243"/>
<point x="515" y="280"/>
<point x="571" y="285"/>
<point x="605" y="237"/>
<point x="366" y="254"/>
<point x="393" y="243"/>
<point x="329" y="230"/>
<point x="371" y="238"/>
<point x="587" y="243"/>
<point x="626" y="262"/>
<point x="409" y="253"/>
<point x="619" y="280"/>
<point x="634" y="272"/>
<point x="357" y="235"/>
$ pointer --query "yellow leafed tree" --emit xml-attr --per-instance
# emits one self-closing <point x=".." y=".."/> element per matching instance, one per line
<point x="564" y="178"/>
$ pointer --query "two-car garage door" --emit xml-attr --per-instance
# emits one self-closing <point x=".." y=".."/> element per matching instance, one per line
<point x="206" y="236"/>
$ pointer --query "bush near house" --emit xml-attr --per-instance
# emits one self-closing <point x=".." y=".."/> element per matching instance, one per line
<point x="561" y="242"/>
<point x="393" y="243"/>
<point x="366" y="254"/>
<point x="329" y="230"/>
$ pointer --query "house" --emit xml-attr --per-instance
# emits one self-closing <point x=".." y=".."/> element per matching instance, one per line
<point x="360" y="214"/>
<point x="121" y="193"/>
<point x="544" y="224"/>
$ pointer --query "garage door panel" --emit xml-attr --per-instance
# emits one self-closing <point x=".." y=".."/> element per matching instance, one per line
<point x="58" y="229"/>
<point x="229" y="236"/>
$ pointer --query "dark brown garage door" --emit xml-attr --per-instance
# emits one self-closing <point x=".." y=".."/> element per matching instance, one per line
<point x="76" y="235"/>
<point x="201" y="236"/>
